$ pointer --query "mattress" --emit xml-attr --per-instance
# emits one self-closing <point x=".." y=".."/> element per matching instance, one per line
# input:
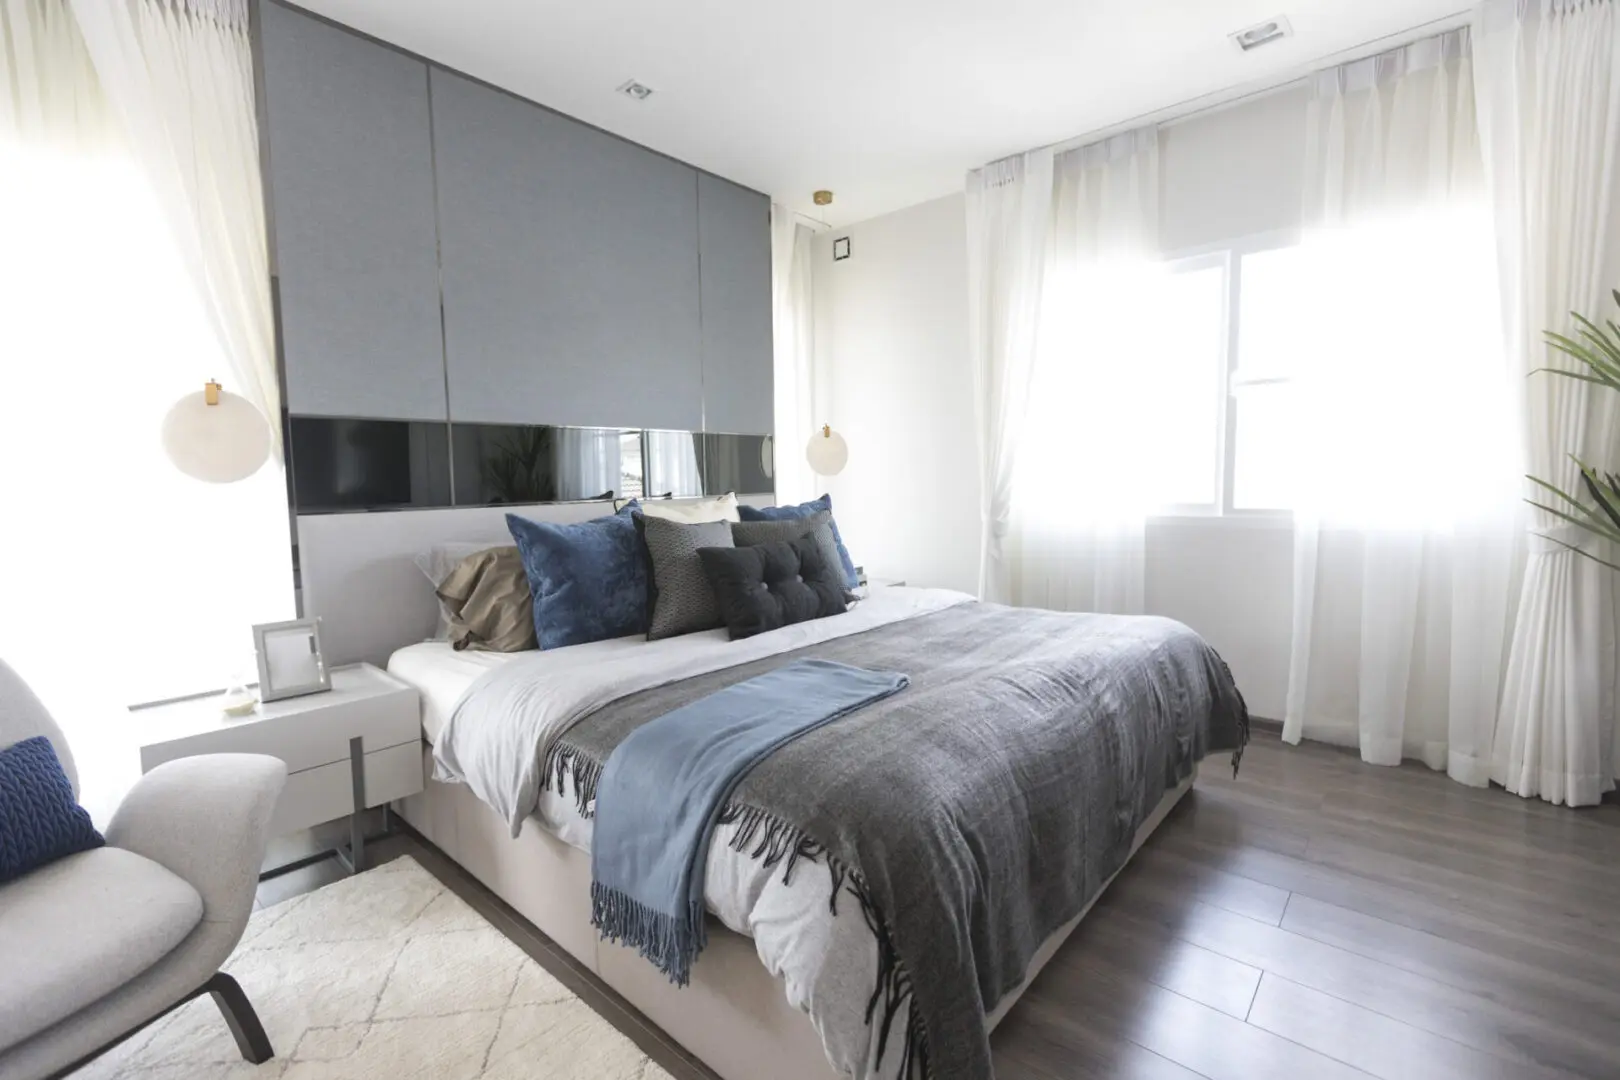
<point x="441" y="675"/>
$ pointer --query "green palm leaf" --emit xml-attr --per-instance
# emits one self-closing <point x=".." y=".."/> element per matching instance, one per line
<point x="1598" y="512"/>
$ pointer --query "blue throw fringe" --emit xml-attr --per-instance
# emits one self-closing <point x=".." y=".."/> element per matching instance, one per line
<point x="672" y="945"/>
<point x="669" y="942"/>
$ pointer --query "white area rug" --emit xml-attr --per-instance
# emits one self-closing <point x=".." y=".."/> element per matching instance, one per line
<point x="386" y="976"/>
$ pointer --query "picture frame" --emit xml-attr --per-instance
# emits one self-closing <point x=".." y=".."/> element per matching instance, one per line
<point x="291" y="661"/>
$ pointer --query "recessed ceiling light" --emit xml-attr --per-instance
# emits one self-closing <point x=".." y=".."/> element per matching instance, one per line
<point x="636" y="91"/>
<point x="1264" y="33"/>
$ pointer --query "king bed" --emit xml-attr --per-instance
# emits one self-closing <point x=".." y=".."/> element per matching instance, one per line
<point x="881" y="889"/>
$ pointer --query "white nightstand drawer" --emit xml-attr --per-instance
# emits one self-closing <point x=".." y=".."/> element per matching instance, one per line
<point x="327" y="791"/>
<point x="311" y="734"/>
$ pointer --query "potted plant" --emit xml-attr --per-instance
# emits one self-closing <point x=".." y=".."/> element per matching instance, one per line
<point x="1598" y="351"/>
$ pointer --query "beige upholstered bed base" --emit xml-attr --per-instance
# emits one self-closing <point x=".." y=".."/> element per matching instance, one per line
<point x="734" y="1016"/>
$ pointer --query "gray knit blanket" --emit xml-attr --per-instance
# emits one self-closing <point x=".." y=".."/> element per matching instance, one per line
<point x="970" y="818"/>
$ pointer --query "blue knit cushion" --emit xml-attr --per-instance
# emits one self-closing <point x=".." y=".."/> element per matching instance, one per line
<point x="589" y="580"/>
<point x="40" y="821"/>
<point x="804" y="510"/>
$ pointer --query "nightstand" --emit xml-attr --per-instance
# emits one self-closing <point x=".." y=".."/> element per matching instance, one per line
<point x="355" y="746"/>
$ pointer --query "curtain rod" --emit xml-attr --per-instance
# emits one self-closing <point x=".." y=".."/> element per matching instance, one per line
<point x="1204" y="104"/>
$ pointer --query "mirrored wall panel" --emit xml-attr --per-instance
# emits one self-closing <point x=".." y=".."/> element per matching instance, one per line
<point x="342" y="464"/>
<point x="741" y="463"/>
<point x="499" y="463"/>
<point x="672" y="464"/>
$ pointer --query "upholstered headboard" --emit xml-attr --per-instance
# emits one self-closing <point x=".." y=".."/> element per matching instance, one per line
<point x="358" y="574"/>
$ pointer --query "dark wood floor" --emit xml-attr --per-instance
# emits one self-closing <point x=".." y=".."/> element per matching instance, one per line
<point x="1317" y="917"/>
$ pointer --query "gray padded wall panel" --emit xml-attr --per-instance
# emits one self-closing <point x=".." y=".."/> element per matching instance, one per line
<point x="734" y="239"/>
<point x="351" y="185"/>
<point x="570" y="268"/>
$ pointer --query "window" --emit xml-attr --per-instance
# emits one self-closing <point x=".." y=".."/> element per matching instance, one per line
<point x="1269" y="287"/>
<point x="107" y="545"/>
<point x="1220" y="383"/>
<point x="1130" y="374"/>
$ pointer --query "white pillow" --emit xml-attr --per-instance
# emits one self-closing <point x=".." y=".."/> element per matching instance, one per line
<point x="693" y="511"/>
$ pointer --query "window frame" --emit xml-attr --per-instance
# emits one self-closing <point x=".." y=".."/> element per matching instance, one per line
<point x="1228" y="255"/>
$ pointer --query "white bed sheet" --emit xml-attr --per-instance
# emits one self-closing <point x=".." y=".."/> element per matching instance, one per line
<point x="441" y="675"/>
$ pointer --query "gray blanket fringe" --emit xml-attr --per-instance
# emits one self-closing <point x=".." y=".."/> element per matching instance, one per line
<point x="767" y="839"/>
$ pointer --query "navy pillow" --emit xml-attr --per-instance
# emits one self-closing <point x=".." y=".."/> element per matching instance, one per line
<point x="40" y="821"/>
<point x="589" y="580"/>
<point x="804" y="510"/>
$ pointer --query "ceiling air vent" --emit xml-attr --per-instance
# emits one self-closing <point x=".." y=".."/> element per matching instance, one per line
<point x="636" y="91"/>
<point x="1262" y="33"/>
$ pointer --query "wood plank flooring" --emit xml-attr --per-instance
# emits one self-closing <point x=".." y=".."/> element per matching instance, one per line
<point x="1315" y="917"/>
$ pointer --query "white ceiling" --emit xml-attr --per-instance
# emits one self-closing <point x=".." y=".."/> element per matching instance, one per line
<point x="885" y="102"/>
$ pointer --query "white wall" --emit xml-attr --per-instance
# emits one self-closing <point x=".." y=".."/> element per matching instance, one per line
<point x="892" y="374"/>
<point x="892" y="370"/>
<point x="1234" y="173"/>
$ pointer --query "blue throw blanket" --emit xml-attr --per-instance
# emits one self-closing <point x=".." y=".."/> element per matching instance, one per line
<point x="663" y="788"/>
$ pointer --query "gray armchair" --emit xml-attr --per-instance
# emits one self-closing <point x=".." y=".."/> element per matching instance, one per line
<point x="98" y="945"/>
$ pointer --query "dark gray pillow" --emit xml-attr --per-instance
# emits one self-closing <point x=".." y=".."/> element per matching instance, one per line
<point x="766" y="586"/>
<point x="817" y="525"/>
<point x="679" y="599"/>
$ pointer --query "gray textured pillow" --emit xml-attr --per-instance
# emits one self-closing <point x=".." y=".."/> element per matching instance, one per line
<point x="679" y="598"/>
<point x="817" y="525"/>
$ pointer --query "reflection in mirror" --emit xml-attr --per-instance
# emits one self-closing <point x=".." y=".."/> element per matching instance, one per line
<point x="346" y="464"/>
<point x="589" y="462"/>
<point x="499" y="464"/>
<point x="632" y="469"/>
<point x="740" y="463"/>
<point x="342" y="464"/>
<point x="672" y="464"/>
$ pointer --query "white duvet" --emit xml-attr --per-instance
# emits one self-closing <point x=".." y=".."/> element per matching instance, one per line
<point x="828" y="964"/>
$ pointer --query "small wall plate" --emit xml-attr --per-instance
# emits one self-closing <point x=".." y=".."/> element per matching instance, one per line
<point x="841" y="249"/>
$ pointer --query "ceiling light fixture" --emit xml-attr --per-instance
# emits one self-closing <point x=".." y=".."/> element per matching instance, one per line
<point x="1265" y="33"/>
<point x="636" y="91"/>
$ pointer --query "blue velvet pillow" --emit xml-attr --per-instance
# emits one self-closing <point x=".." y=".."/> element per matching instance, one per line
<point x="589" y="580"/>
<point x="40" y="821"/>
<point x="804" y="510"/>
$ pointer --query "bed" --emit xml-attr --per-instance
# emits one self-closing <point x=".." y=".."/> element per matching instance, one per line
<point x="823" y="964"/>
<point x="793" y="984"/>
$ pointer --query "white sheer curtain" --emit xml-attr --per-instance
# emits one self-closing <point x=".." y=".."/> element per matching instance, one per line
<point x="1092" y="446"/>
<point x="1009" y="213"/>
<point x="793" y="321"/>
<point x="179" y="73"/>
<point x="1549" y="89"/>
<point x="1406" y="515"/>
<point x="128" y="580"/>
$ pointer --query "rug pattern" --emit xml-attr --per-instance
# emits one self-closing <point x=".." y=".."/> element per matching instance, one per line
<point x="386" y="976"/>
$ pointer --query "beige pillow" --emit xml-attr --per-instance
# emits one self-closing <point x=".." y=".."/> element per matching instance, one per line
<point x="487" y="601"/>
<point x="693" y="511"/>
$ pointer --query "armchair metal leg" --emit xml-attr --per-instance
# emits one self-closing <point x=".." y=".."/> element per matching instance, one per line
<point x="240" y="1018"/>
